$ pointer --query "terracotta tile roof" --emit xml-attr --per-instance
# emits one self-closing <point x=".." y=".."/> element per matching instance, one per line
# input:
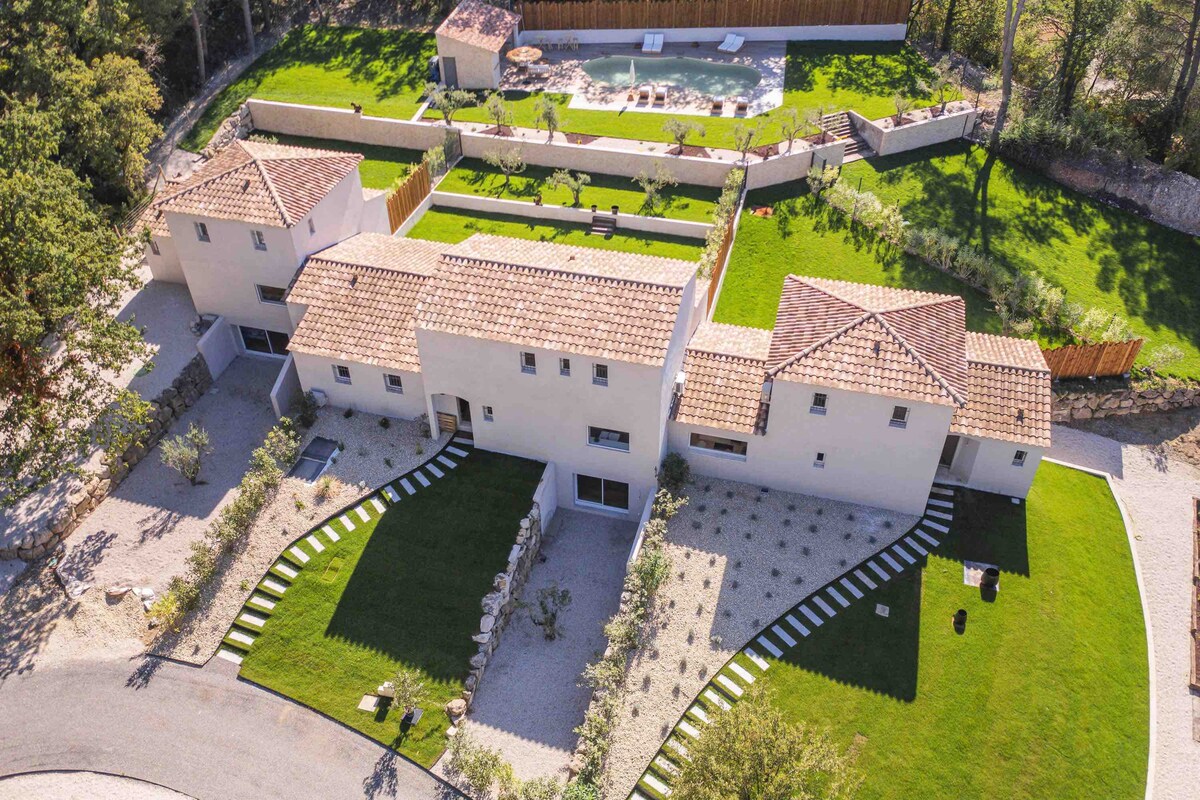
<point x="732" y="340"/>
<point x="1009" y="390"/>
<point x="724" y="371"/>
<point x="152" y="217"/>
<point x="875" y="339"/>
<point x="574" y="299"/>
<point x="479" y="24"/>
<point x="258" y="182"/>
<point x="361" y="295"/>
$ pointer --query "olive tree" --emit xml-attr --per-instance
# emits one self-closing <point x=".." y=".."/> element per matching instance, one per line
<point x="574" y="182"/>
<point x="185" y="454"/>
<point x="509" y="162"/>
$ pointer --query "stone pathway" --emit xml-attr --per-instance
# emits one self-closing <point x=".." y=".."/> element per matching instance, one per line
<point x="260" y="606"/>
<point x="731" y="682"/>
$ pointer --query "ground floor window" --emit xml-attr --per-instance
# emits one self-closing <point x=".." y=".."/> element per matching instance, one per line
<point x="260" y="340"/>
<point x="602" y="492"/>
<point x="719" y="444"/>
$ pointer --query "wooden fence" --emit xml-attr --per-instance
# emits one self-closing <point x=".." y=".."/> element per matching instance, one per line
<point x="559" y="15"/>
<point x="402" y="202"/>
<point x="1106" y="359"/>
<point x="719" y="267"/>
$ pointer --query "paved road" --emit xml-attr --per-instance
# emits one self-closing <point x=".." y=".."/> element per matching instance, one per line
<point x="198" y="731"/>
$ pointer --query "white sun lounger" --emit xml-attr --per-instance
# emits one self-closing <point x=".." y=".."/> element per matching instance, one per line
<point x="732" y="43"/>
<point x="652" y="43"/>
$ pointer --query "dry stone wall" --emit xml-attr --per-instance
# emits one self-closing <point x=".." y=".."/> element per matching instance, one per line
<point x="1072" y="405"/>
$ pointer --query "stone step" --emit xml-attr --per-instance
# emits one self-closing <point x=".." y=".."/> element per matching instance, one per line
<point x="331" y="533"/>
<point x="756" y="659"/>
<point x="783" y="636"/>
<point x="862" y="576"/>
<point x="769" y="646"/>
<point x="315" y="543"/>
<point x="741" y="672"/>
<point x="229" y="654"/>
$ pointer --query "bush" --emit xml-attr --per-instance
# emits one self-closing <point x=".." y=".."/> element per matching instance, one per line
<point x="185" y="454"/>
<point x="674" y="473"/>
<point x="1162" y="357"/>
<point x="306" y="410"/>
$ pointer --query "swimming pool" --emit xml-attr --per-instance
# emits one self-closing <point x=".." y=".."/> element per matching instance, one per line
<point x="707" y="77"/>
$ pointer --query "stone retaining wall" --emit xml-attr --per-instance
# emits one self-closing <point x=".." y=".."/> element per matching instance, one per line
<point x="1149" y="190"/>
<point x="1071" y="405"/>
<point x="87" y="492"/>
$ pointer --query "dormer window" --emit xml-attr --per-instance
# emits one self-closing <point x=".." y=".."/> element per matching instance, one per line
<point x="260" y="241"/>
<point x="899" y="417"/>
<point x="201" y="231"/>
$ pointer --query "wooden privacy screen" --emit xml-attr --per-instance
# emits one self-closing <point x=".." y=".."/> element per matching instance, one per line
<point x="719" y="267"/>
<point x="402" y="202"/>
<point x="553" y="15"/>
<point x="1102" y="360"/>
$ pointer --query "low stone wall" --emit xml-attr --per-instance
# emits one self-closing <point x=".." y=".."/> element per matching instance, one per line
<point x="193" y="381"/>
<point x="1146" y="189"/>
<point x="886" y="139"/>
<point x="1071" y="405"/>
<point x="342" y="123"/>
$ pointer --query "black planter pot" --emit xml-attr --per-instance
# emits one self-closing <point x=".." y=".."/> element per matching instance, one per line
<point x="616" y="209"/>
<point x="593" y="208"/>
<point x="991" y="578"/>
<point x="960" y="618"/>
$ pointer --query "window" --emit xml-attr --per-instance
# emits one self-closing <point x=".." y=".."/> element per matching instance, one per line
<point x="564" y="367"/>
<point x="312" y="227"/>
<point x="528" y="363"/>
<point x="154" y="248"/>
<point x="600" y="492"/>
<point x="819" y="461"/>
<point x="717" y="445"/>
<point x="202" y="231"/>
<point x="1019" y="458"/>
<point x="600" y="374"/>
<point x="258" y="340"/>
<point x="819" y="402"/>
<point x="613" y="440"/>
<point x="260" y="241"/>
<point x="488" y="416"/>
<point x="341" y="374"/>
<point x="899" y="417"/>
<point x="394" y="384"/>
<point x="270" y="294"/>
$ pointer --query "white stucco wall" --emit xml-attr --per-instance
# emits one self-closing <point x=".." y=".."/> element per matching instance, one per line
<point x="987" y="465"/>
<point x="164" y="266"/>
<point x="477" y="68"/>
<point x="323" y="122"/>
<point x="219" y="346"/>
<point x="366" y="392"/>
<point x="847" y="33"/>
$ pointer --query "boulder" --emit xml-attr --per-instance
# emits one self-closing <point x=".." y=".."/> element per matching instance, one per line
<point x="456" y="709"/>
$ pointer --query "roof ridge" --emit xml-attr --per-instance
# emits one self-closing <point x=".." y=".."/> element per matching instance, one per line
<point x="932" y="298"/>
<point x="557" y="270"/>
<point x="189" y="188"/>
<point x="710" y="352"/>
<point x="279" y="205"/>
<point x="925" y="365"/>
<point x="313" y="259"/>
<point x="986" y="363"/>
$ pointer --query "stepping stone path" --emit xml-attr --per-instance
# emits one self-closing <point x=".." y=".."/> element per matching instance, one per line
<point x="261" y="605"/>
<point x="730" y="682"/>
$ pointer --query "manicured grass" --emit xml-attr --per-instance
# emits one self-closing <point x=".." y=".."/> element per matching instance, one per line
<point x="835" y="76"/>
<point x="1044" y="695"/>
<point x="380" y="167"/>
<point x="382" y="70"/>
<point x="1102" y="256"/>
<point x="685" y="201"/>
<point x="407" y="594"/>
<point x="808" y="238"/>
<point x="454" y="226"/>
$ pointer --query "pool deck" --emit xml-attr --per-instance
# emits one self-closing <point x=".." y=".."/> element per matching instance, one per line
<point x="567" y="77"/>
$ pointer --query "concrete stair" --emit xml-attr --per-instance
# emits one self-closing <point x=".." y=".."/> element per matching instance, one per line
<point x="840" y="127"/>
<point x="603" y="225"/>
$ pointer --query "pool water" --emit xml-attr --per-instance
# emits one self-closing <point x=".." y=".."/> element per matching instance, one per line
<point x="707" y="77"/>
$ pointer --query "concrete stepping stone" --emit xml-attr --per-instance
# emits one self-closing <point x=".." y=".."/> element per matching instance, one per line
<point x="287" y="571"/>
<point x="299" y="554"/>
<point x="783" y="636"/>
<point x="244" y="638"/>
<point x="912" y="543"/>
<point x="462" y="441"/>
<point x="362" y="513"/>
<point x="929" y="512"/>
<point x="812" y="616"/>
<point x="346" y="523"/>
<point x="315" y="543"/>
<point x="891" y="562"/>
<point x="733" y="688"/>
<point x="331" y="533"/>
<point x="437" y="473"/>
<point x="769" y="646"/>
<point x="940" y="503"/>
<point x="447" y="462"/>
<point x="836" y="595"/>
<point x="862" y="576"/>
<point x="230" y="655"/>
<point x="666" y="766"/>
<point x="942" y="491"/>
<point x="880" y="571"/>
<point x="378" y="505"/>
<point x="741" y="672"/>
<point x="716" y="700"/>
<point x="638" y="796"/>
<point x="699" y="713"/>
<point x="408" y="487"/>
<point x="391" y="493"/>
<point x="263" y="602"/>
<point x="420" y="476"/>
<point x="678" y="747"/>
<point x="457" y="452"/>
<point x="688" y="728"/>
<point x="655" y="784"/>
<point x="757" y="660"/>
<point x="932" y="541"/>
<point x="900" y="551"/>
<point x="821" y="604"/>
<point x="252" y="619"/>
<point x="935" y="526"/>
<point x="851" y="588"/>
<point x="274" y="586"/>
<point x="799" y="626"/>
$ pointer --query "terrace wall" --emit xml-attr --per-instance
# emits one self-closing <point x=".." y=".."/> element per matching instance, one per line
<point x="338" y="123"/>
<point x="793" y="166"/>
<point x="885" y="139"/>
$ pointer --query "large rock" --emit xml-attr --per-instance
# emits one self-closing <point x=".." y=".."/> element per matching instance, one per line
<point x="456" y="709"/>
<point x="486" y="623"/>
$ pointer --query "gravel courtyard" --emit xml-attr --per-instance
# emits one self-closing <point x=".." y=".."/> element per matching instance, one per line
<point x="741" y="558"/>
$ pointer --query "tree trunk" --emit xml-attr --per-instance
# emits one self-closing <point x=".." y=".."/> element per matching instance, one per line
<point x="249" y="26"/>
<point x="1172" y="113"/>
<point x="947" y="28"/>
<point x="1065" y="78"/>
<point x="1012" y="18"/>
<point x="198" y="31"/>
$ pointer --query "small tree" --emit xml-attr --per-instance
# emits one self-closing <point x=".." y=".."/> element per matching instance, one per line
<point x="1162" y="357"/>
<point x="653" y="184"/>
<point x="410" y="690"/>
<point x="509" y="162"/>
<point x="434" y="160"/>
<point x="821" y="179"/>
<point x="447" y="100"/>
<point x="943" y="83"/>
<point x="185" y="454"/>
<point x="791" y="125"/>
<point x="745" y="137"/>
<point x="551" y="601"/>
<point x="674" y="473"/>
<point x="813" y="118"/>
<point x="573" y="182"/>
<point x="681" y="129"/>
<point x="903" y="106"/>
<point x="498" y="111"/>
<point x="546" y="113"/>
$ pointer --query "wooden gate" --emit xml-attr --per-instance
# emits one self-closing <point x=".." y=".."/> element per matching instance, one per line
<point x="1102" y="360"/>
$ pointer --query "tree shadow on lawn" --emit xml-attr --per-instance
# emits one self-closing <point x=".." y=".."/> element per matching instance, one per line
<point x="873" y="68"/>
<point x="394" y="61"/>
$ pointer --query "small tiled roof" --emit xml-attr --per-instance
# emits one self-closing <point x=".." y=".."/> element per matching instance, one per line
<point x="894" y="342"/>
<point x="153" y="219"/>
<point x="607" y="304"/>
<point x="262" y="183"/>
<point x="479" y="24"/>
<point x="361" y="294"/>
<point x="1009" y="391"/>
<point x="724" y="370"/>
<point x="732" y="340"/>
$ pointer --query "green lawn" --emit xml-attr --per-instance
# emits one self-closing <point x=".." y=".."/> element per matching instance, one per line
<point x="685" y="201"/>
<point x="1102" y="256"/>
<point x="453" y="226"/>
<point x="407" y="594"/>
<point x="380" y="167"/>
<point x="1045" y="694"/>
<point x="382" y="70"/>
<point x="807" y="238"/>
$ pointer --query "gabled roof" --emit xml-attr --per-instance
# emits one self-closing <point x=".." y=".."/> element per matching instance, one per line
<point x="1010" y="392"/>
<point x="261" y="183"/>
<point x="581" y="300"/>
<point x="724" y="368"/>
<point x="361" y="294"/>
<point x="479" y="24"/>
<point x="895" y="342"/>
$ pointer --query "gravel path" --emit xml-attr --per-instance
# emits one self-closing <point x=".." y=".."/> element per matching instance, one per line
<point x="725" y="590"/>
<point x="1157" y="491"/>
<point x="82" y="786"/>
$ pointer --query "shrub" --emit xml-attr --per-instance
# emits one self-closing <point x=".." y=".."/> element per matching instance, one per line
<point x="434" y="160"/>
<point x="1162" y="357"/>
<point x="674" y="473"/>
<point x="820" y="180"/>
<point x="185" y="454"/>
<point x="306" y="410"/>
<point x="580" y="791"/>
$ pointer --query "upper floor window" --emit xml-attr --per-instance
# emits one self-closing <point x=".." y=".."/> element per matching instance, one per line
<point x="1019" y="458"/>
<point x="819" y="403"/>
<point x="260" y="241"/>
<point x="341" y="374"/>
<point x="488" y="414"/>
<point x="899" y="417"/>
<point x="564" y="367"/>
<point x="201" y="231"/>
<point x="528" y="363"/>
<point x="394" y="384"/>
<point x="154" y="248"/>
<point x="613" y="440"/>
<point x="270" y="294"/>
<point x="819" y="461"/>
<point x="600" y="374"/>
<point x="312" y="227"/>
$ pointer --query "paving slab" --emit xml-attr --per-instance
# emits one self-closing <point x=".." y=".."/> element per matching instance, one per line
<point x="346" y="523"/>
<point x="408" y="487"/>
<point x="741" y="672"/>
<point x="433" y="470"/>
<point x="391" y="493"/>
<point x="862" y="576"/>
<point x="783" y="636"/>
<point x="362" y="513"/>
<point x="298" y="554"/>
<point x="421" y="479"/>
<point x="851" y="588"/>
<point x="455" y="451"/>
<point x="757" y="660"/>
<point x="378" y="505"/>
<point x="286" y="570"/>
<point x="447" y="462"/>
<point x="315" y="543"/>
<point x="797" y="625"/>
<point x="331" y="533"/>
<point x="836" y="595"/>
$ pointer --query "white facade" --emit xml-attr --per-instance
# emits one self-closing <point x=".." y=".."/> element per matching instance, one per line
<point x="369" y="389"/>
<point x="992" y="465"/>
<point x="470" y="67"/>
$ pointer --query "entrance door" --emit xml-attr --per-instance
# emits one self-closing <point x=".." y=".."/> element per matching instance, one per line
<point x="464" y="414"/>
<point x="449" y="72"/>
<point x="948" y="451"/>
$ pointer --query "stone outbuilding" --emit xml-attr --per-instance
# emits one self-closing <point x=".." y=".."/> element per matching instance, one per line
<point x="470" y="42"/>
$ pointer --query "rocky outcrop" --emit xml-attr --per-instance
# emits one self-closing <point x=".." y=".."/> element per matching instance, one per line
<point x="1080" y="404"/>
<point x="1167" y="197"/>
